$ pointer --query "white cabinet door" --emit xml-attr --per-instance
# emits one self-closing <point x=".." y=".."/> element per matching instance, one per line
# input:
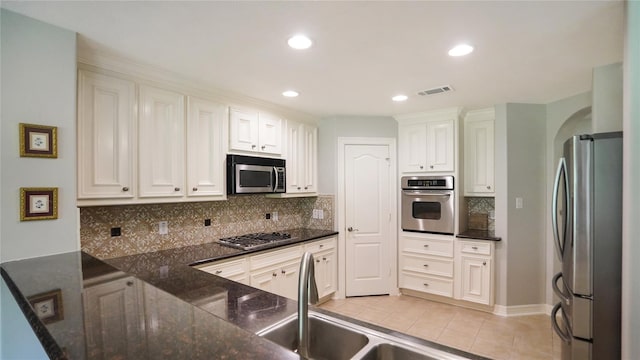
<point x="476" y="279"/>
<point x="106" y="136"/>
<point x="326" y="273"/>
<point x="244" y="129"/>
<point x="206" y="135"/>
<point x="235" y="270"/>
<point x="114" y="319"/>
<point x="269" y="134"/>
<point x="413" y="147"/>
<point x="161" y="143"/>
<point x="440" y="145"/>
<point x="288" y="279"/>
<point x="302" y="158"/>
<point x="266" y="280"/>
<point x="479" y="158"/>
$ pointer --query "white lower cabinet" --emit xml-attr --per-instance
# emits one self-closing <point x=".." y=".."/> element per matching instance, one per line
<point x="426" y="263"/>
<point x="277" y="270"/>
<point x="475" y="263"/>
<point x="235" y="269"/>
<point x="449" y="267"/>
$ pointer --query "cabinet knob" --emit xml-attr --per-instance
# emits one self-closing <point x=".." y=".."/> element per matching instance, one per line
<point x="125" y="188"/>
<point x="484" y="263"/>
<point x="176" y="189"/>
<point x="431" y="167"/>
<point x="263" y="147"/>
<point x="282" y="271"/>
<point x="474" y="247"/>
<point x="317" y="260"/>
<point x="274" y="274"/>
<point x="298" y="187"/>
<point x="488" y="187"/>
<point x="218" y="272"/>
<point x="195" y="189"/>
<point x="129" y="283"/>
<point x="253" y="146"/>
<point x="324" y="259"/>
<point x="321" y="246"/>
<point x="426" y="245"/>
<point x="426" y="265"/>
<point x="425" y="284"/>
<point x="421" y="167"/>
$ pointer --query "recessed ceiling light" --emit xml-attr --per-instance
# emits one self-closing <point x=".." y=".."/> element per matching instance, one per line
<point x="399" y="98"/>
<point x="300" y="42"/>
<point x="461" y="50"/>
<point x="290" y="93"/>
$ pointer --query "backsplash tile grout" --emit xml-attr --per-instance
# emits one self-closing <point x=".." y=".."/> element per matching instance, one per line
<point x="238" y="215"/>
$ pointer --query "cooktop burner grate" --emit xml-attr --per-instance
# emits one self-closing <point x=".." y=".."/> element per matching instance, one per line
<point x="255" y="240"/>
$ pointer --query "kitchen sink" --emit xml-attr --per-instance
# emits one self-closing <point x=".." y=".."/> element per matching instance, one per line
<point x="324" y="338"/>
<point x="393" y="352"/>
<point x="337" y="339"/>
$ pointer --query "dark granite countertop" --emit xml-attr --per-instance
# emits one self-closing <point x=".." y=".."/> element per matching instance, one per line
<point x="479" y="235"/>
<point x="156" y="306"/>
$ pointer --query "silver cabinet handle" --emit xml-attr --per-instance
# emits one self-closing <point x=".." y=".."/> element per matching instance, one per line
<point x="484" y="263"/>
<point x="431" y="167"/>
<point x="474" y="247"/>
<point x="488" y="187"/>
<point x="351" y="229"/>
<point x="299" y="187"/>
<point x="263" y="147"/>
<point x="321" y="246"/>
<point x="218" y="272"/>
<point x="421" y="167"/>
<point x="425" y="284"/>
<point x="317" y="260"/>
<point x="426" y="265"/>
<point x="129" y="283"/>
<point x="426" y="245"/>
<point x="305" y="188"/>
<point x="324" y="259"/>
<point x="125" y="189"/>
<point x="176" y="189"/>
<point x="195" y="189"/>
<point x="253" y="146"/>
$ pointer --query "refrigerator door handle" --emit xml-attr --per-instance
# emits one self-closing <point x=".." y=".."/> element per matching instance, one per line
<point x="554" y="323"/>
<point x="556" y="288"/>
<point x="562" y="169"/>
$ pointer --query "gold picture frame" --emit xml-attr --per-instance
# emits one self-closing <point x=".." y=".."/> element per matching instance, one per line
<point x="48" y="306"/>
<point x="38" y="141"/>
<point x="38" y="204"/>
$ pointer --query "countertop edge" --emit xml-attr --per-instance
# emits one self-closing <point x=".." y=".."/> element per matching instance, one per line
<point x="49" y="344"/>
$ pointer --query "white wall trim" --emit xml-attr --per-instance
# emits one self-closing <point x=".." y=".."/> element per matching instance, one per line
<point x="340" y="204"/>
<point x="522" y="310"/>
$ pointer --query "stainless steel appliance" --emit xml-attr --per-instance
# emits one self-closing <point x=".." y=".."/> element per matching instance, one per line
<point x="587" y="226"/>
<point x="256" y="240"/>
<point x="255" y="175"/>
<point x="428" y="204"/>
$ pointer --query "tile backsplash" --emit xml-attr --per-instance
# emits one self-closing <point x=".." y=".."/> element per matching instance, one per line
<point x="238" y="215"/>
<point x="482" y="206"/>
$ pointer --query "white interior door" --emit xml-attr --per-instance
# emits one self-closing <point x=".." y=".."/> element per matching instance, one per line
<point x="367" y="219"/>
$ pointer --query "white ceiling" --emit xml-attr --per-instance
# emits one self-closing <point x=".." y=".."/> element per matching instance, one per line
<point x="364" y="52"/>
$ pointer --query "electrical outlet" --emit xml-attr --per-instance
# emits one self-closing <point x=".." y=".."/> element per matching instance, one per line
<point x="320" y="214"/>
<point x="115" y="231"/>
<point x="274" y="216"/>
<point x="207" y="222"/>
<point x="164" y="271"/>
<point x="268" y="216"/>
<point x="519" y="204"/>
<point x="163" y="227"/>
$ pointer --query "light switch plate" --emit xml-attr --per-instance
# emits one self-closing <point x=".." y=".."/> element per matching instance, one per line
<point x="163" y="227"/>
<point x="519" y="203"/>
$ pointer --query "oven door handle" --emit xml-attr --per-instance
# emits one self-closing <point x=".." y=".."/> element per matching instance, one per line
<point x="427" y="193"/>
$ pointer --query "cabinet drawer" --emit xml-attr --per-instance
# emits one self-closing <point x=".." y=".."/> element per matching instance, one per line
<point x="321" y="245"/>
<point x="275" y="257"/>
<point x="426" y="284"/>
<point x="427" y="265"/>
<point x="428" y="246"/>
<point x="475" y="248"/>
<point x="226" y="269"/>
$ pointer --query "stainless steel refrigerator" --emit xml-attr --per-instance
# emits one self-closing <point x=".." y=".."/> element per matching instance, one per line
<point x="587" y="225"/>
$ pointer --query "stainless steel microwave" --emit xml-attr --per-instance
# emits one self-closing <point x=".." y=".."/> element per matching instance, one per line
<point x="255" y="175"/>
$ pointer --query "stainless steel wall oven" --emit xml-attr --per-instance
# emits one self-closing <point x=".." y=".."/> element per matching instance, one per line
<point x="428" y="204"/>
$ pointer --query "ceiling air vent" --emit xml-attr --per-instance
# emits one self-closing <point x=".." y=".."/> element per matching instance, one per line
<point x="435" y="90"/>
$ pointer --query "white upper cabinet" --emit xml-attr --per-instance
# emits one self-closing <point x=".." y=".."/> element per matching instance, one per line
<point x="427" y="141"/>
<point x="206" y="139"/>
<point x="255" y="131"/>
<point x="161" y="143"/>
<point x="302" y="158"/>
<point x="479" y="153"/>
<point x="106" y="137"/>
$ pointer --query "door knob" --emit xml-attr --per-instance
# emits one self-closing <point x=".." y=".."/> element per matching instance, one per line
<point x="350" y="229"/>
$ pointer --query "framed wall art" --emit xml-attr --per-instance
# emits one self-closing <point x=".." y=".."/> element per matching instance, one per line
<point x="48" y="306"/>
<point x="38" y="141"/>
<point x="38" y="204"/>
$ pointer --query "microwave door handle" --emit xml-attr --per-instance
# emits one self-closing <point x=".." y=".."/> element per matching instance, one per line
<point x="562" y="169"/>
<point x="275" y="173"/>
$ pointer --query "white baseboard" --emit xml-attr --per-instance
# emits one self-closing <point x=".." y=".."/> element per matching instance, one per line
<point x="521" y="310"/>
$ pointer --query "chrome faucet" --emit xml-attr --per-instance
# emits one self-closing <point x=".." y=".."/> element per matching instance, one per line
<point x="307" y="292"/>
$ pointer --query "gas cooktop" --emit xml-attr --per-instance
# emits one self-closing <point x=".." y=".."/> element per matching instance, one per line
<point x="255" y="240"/>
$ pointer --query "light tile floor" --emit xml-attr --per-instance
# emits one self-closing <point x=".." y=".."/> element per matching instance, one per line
<point x="481" y="333"/>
